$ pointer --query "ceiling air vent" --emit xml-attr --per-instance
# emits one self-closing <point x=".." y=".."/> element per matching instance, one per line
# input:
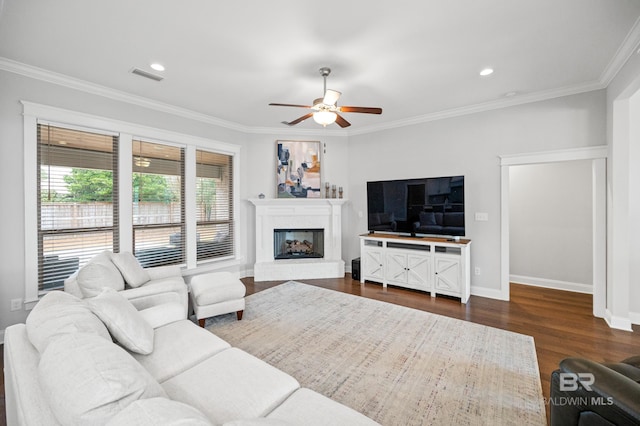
<point x="141" y="73"/>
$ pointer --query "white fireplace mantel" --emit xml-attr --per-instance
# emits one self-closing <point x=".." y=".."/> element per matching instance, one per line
<point x="292" y="213"/>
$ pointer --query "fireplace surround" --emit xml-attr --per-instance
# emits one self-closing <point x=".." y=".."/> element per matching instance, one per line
<point x="298" y="214"/>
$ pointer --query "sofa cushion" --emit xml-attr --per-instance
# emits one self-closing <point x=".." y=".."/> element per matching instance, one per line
<point x="232" y="385"/>
<point x="88" y="380"/>
<point x="309" y="408"/>
<point x="59" y="313"/>
<point x="124" y="322"/>
<point x="99" y="273"/>
<point x="163" y="314"/>
<point x="170" y="358"/>
<point x="159" y="412"/>
<point x="134" y="274"/>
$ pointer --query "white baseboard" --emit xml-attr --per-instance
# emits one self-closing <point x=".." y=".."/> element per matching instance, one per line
<point x="491" y="293"/>
<point x="634" y="317"/>
<point x="246" y="272"/>
<point x="554" y="284"/>
<point x="617" y="322"/>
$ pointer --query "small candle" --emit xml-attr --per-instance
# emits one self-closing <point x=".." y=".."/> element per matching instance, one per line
<point x="333" y="187"/>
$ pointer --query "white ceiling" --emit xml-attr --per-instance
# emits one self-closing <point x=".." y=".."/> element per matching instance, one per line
<point x="417" y="59"/>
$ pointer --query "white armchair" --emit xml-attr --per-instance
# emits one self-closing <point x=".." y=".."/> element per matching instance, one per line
<point x="144" y="287"/>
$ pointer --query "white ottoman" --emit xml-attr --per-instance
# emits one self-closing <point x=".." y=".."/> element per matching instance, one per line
<point x="217" y="293"/>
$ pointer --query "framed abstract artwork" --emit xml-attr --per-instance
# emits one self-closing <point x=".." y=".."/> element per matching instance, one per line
<point x="298" y="169"/>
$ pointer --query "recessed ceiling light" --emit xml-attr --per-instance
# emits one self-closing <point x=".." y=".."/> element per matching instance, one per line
<point x="510" y="94"/>
<point x="158" y="67"/>
<point x="487" y="71"/>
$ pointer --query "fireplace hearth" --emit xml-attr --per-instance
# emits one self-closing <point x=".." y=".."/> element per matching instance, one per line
<point x="298" y="243"/>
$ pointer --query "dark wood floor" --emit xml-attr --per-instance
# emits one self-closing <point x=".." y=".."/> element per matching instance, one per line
<point x="560" y="322"/>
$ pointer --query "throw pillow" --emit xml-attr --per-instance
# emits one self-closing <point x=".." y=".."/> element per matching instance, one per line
<point x="99" y="273"/>
<point x="88" y="380"/>
<point x="124" y="322"/>
<point x="59" y="313"/>
<point x="159" y="412"/>
<point x="130" y="268"/>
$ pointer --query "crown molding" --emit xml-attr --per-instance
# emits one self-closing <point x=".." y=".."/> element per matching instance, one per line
<point x="96" y="89"/>
<point x="622" y="55"/>
<point x="624" y="52"/>
<point x="484" y="106"/>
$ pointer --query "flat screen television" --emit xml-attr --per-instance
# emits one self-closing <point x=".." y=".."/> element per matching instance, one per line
<point x="428" y="206"/>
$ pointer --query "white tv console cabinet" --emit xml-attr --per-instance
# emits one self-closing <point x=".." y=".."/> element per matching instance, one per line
<point x="435" y="265"/>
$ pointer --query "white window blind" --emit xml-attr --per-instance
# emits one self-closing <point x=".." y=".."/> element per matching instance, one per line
<point x="158" y="204"/>
<point x="214" y="198"/>
<point x="77" y="207"/>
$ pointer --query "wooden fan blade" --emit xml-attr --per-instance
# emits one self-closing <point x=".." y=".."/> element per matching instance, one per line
<point x="298" y="120"/>
<point x="365" y="110"/>
<point x="341" y="121"/>
<point x="290" y="105"/>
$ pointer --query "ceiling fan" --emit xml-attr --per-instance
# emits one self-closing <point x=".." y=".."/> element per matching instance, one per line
<point x="326" y="109"/>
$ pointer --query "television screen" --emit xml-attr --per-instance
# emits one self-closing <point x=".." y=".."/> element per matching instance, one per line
<point x="429" y="206"/>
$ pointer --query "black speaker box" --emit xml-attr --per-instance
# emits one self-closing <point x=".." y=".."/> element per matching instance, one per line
<point x="355" y="269"/>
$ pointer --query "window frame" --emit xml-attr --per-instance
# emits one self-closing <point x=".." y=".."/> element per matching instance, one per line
<point x="43" y="233"/>
<point x="183" y="222"/>
<point x="230" y="221"/>
<point x="34" y="113"/>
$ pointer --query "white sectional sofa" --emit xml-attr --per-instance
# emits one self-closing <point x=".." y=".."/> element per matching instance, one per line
<point x="100" y="361"/>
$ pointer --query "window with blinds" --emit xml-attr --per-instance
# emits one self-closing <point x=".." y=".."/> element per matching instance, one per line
<point x="158" y="204"/>
<point x="214" y="198"/>
<point x="77" y="204"/>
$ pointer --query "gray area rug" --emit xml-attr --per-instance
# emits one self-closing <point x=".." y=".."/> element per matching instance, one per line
<point x="398" y="366"/>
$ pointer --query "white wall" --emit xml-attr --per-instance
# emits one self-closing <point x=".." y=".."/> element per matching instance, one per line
<point x="470" y="145"/>
<point x="550" y="225"/>
<point x="467" y="145"/>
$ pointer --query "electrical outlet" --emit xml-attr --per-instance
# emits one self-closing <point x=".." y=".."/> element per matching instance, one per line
<point x="476" y="271"/>
<point x="16" y="304"/>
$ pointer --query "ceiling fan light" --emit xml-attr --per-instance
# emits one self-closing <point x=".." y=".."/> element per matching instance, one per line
<point x="325" y="117"/>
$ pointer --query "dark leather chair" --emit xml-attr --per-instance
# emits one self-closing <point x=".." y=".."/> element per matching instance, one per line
<point x="585" y="392"/>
